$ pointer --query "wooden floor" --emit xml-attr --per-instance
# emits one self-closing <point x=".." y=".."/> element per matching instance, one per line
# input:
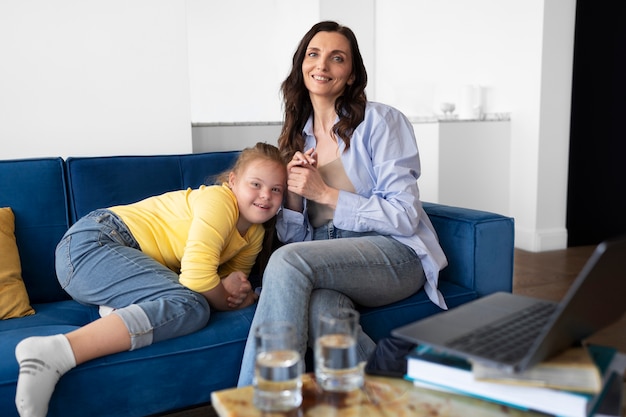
<point x="545" y="275"/>
<point x="548" y="274"/>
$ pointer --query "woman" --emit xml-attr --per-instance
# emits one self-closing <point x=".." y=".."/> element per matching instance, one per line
<point x="352" y="206"/>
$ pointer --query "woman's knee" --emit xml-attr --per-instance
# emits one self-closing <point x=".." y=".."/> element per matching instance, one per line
<point x="287" y="262"/>
<point x="280" y="258"/>
<point x="323" y="299"/>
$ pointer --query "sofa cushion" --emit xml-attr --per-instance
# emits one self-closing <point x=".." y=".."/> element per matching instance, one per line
<point x="168" y="375"/>
<point x="14" y="300"/>
<point x="35" y="191"/>
<point x="59" y="313"/>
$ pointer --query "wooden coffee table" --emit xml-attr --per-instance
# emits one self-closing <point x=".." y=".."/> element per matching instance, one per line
<point x="380" y="397"/>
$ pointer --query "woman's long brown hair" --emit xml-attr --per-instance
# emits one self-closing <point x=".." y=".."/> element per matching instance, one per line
<point x="350" y="106"/>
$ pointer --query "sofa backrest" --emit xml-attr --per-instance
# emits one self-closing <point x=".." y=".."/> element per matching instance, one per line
<point x="35" y="191"/>
<point x="100" y="182"/>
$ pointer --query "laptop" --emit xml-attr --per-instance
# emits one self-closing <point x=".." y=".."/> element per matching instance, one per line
<point x="513" y="332"/>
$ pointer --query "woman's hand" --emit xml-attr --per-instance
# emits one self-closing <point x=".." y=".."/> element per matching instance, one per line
<point x="293" y="200"/>
<point x="304" y="180"/>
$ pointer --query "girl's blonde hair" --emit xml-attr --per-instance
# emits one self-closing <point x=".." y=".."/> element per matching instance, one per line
<point x="261" y="150"/>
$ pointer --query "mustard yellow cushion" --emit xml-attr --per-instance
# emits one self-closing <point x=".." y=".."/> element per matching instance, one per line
<point x="14" y="300"/>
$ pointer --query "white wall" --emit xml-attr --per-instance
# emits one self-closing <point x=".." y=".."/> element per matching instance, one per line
<point x="548" y="232"/>
<point x="239" y="53"/>
<point x="426" y="51"/>
<point x="93" y="78"/>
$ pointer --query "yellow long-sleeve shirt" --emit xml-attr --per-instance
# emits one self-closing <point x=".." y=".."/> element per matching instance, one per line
<point x="194" y="233"/>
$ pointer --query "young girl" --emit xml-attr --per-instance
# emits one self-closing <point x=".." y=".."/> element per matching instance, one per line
<point x="160" y="265"/>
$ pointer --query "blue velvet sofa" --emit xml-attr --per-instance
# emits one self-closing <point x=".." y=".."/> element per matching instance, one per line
<point x="48" y="194"/>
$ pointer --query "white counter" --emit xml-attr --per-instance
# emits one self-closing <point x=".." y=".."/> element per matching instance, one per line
<point x="465" y="163"/>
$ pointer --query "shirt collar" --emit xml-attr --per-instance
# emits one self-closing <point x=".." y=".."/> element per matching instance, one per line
<point x="307" y="130"/>
<point x="308" y="127"/>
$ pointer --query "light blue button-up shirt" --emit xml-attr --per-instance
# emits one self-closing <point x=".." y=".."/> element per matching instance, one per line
<point x="383" y="165"/>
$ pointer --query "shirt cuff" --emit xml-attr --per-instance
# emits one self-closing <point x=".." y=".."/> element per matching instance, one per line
<point x="346" y="213"/>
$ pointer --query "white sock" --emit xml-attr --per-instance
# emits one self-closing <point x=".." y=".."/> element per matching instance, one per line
<point x="42" y="360"/>
<point x="105" y="310"/>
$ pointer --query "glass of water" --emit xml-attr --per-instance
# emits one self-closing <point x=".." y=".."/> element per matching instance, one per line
<point x="336" y="364"/>
<point x="278" y="368"/>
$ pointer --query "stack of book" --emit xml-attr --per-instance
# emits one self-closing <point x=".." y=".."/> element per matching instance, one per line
<point x="572" y="384"/>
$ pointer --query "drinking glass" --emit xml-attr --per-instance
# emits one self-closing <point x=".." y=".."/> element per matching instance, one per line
<point x="336" y="364"/>
<point x="278" y="368"/>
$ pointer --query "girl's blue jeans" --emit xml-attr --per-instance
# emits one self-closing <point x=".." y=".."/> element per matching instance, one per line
<point x="99" y="262"/>
<point x="337" y="269"/>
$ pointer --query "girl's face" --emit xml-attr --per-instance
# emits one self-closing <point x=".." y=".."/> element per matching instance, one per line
<point x="259" y="191"/>
<point x="327" y="65"/>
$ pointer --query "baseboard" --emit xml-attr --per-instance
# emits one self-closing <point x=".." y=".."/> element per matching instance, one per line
<point x="534" y="240"/>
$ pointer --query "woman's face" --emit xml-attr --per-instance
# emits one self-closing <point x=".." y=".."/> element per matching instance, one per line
<point x="327" y="65"/>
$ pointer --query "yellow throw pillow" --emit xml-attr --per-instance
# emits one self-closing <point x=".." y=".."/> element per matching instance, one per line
<point x="14" y="300"/>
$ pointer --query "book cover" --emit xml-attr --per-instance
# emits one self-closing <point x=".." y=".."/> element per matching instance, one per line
<point x="444" y="372"/>
<point x="573" y="369"/>
<point x="610" y="402"/>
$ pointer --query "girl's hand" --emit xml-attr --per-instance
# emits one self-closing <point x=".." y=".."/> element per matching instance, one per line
<point x="233" y="292"/>
<point x="239" y="290"/>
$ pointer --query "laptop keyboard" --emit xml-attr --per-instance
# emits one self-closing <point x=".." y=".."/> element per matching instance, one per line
<point x="508" y="339"/>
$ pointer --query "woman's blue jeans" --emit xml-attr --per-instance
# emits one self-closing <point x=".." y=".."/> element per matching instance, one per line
<point x="99" y="262"/>
<point x="336" y="269"/>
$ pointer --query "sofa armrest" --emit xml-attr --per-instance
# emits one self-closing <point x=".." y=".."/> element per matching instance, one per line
<point x="479" y="246"/>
